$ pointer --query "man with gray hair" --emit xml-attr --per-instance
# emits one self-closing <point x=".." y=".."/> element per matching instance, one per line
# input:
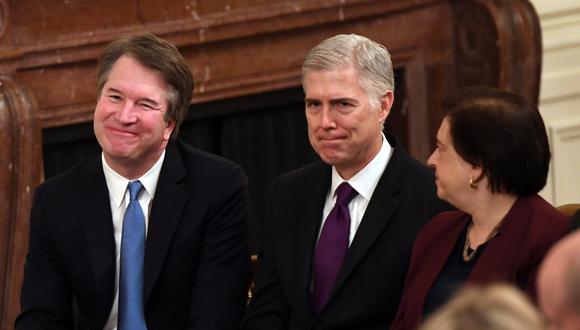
<point x="559" y="283"/>
<point x="340" y="231"/>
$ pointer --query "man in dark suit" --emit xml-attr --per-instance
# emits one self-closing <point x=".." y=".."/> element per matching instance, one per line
<point x="335" y="262"/>
<point x="150" y="234"/>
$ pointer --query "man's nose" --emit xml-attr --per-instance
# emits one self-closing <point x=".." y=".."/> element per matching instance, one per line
<point x="327" y="118"/>
<point x="127" y="113"/>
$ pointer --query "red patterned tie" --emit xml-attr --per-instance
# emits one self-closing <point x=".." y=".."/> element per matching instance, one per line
<point x="332" y="247"/>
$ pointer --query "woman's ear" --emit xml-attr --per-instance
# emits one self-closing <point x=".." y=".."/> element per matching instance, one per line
<point x="477" y="173"/>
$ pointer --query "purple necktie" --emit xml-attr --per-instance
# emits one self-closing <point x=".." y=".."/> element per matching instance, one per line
<point x="332" y="247"/>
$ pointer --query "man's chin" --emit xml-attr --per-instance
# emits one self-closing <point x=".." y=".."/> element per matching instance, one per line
<point x="332" y="160"/>
<point x="120" y="155"/>
<point x="330" y="153"/>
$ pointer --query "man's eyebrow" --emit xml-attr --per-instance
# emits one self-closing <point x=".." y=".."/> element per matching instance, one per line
<point x="112" y="89"/>
<point x="143" y="99"/>
<point x="344" y="99"/>
<point x="148" y="100"/>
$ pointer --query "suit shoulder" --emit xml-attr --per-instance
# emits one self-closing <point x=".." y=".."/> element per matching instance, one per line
<point x="419" y="171"/>
<point x="209" y="163"/>
<point x="545" y="210"/>
<point x="306" y="173"/>
<point x="402" y="159"/>
<point x="309" y="178"/>
<point x="418" y="167"/>
<point x="538" y="224"/>
<point x="545" y="220"/>
<point x="67" y="180"/>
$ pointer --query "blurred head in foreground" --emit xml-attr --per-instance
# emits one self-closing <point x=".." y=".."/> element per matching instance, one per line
<point x="496" y="307"/>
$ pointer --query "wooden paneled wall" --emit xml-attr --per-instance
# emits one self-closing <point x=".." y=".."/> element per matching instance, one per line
<point x="49" y="49"/>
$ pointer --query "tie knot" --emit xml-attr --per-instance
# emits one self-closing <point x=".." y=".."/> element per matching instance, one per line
<point x="134" y="189"/>
<point x="344" y="194"/>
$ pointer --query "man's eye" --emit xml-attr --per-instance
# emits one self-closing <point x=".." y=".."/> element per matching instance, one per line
<point x="146" y="106"/>
<point x="312" y="105"/>
<point x="114" y="98"/>
<point x="343" y="106"/>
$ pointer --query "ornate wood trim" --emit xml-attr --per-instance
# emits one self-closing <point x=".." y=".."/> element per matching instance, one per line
<point x="267" y="32"/>
<point x="4" y="16"/>
<point x="511" y="58"/>
<point x="20" y="173"/>
<point x="265" y="19"/>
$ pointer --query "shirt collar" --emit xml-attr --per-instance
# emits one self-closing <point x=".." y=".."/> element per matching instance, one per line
<point x="117" y="184"/>
<point x="366" y="180"/>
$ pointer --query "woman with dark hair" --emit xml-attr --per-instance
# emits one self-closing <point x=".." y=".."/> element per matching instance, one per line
<point x="492" y="158"/>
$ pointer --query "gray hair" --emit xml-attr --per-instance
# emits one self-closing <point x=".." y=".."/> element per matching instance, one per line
<point x="371" y="60"/>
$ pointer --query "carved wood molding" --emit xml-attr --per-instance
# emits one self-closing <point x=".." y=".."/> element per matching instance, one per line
<point x="244" y="52"/>
<point x="20" y="173"/>
<point x="511" y="59"/>
<point x="4" y="16"/>
<point x="220" y="26"/>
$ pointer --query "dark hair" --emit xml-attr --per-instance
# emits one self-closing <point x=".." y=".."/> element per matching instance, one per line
<point x="161" y="56"/>
<point x="504" y="134"/>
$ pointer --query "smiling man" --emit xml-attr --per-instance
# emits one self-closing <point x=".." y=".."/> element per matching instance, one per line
<point x="149" y="234"/>
<point x="340" y="231"/>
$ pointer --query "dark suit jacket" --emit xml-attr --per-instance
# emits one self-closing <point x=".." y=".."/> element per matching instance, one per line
<point x="370" y="282"/>
<point x="195" y="256"/>
<point x="514" y="255"/>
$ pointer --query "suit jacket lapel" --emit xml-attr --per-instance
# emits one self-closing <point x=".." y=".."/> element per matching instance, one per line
<point x="98" y="227"/>
<point x="378" y="214"/>
<point x="310" y="217"/>
<point x="168" y="203"/>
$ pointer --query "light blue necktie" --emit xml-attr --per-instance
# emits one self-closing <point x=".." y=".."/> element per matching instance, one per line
<point x="131" y="316"/>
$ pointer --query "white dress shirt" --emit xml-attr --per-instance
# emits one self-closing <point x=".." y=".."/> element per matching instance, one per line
<point x="119" y="199"/>
<point x="364" y="182"/>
